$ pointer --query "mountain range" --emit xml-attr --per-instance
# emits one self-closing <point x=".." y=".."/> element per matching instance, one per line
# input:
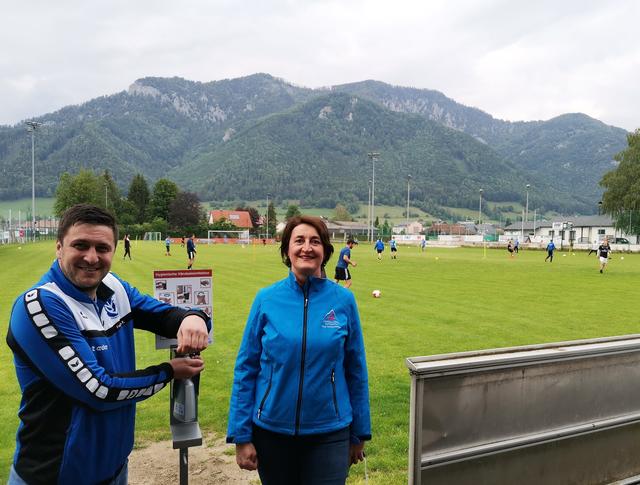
<point x="241" y="139"/>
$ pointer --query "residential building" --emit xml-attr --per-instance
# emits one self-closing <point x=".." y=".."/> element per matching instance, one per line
<point x="240" y="219"/>
<point x="414" y="227"/>
<point x="569" y="229"/>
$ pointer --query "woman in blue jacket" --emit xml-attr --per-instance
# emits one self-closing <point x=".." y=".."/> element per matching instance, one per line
<point x="299" y="409"/>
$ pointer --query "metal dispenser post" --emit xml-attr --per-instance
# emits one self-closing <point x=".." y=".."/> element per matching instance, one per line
<point x="183" y="412"/>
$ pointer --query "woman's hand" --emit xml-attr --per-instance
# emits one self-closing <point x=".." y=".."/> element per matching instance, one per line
<point x="356" y="453"/>
<point x="246" y="456"/>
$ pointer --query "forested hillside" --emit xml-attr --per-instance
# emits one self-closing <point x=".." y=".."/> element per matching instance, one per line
<point x="571" y="152"/>
<point x="318" y="153"/>
<point x="243" y="138"/>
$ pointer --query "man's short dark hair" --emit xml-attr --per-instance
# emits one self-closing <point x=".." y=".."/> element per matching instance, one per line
<point x="314" y="222"/>
<point x="86" y="214"/>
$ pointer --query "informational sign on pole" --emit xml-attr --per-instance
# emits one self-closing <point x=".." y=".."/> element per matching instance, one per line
<point x="191" y="288"/>
<point x="187" y="289"/>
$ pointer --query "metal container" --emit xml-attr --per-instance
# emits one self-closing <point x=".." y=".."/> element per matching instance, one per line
<point x="561" y="413"/>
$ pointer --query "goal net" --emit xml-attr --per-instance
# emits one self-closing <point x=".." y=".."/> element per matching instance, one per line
<point x="228" y="237"/>
<point x="152" y="236"/>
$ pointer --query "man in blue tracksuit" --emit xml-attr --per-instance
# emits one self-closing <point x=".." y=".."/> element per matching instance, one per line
<point x="72" y="339"/>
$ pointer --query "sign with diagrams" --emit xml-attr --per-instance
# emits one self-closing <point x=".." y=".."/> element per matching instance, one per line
<point x="187" y="289"/>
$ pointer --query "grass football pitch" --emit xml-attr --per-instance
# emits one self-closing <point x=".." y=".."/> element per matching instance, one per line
<point x="437" y="301"/>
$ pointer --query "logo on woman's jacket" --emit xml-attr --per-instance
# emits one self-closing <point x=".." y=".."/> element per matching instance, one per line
<point x="330" y="321"/>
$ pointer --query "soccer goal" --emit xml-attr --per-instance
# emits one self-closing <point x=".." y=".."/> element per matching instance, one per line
<point x="227" y="237"/>
<point x="152" y="236"/>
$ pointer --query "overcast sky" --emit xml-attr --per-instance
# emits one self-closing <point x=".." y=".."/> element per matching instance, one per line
<point x="514" y="59"/>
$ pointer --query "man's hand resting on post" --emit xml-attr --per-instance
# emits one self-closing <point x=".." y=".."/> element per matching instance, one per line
<point x="192" y="335"/>
<point x="185" y="367"/>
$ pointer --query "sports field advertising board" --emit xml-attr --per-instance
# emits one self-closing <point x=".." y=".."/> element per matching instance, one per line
<point x="191" y="288"/>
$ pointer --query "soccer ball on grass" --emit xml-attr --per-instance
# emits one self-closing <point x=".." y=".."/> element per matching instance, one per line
<point x="376" y="293"/>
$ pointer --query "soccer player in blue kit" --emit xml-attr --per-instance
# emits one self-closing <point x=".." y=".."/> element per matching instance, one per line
<point x="342" y="266"/>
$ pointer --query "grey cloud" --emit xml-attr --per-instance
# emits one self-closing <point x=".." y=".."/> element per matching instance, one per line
<point x="513" y="59"/>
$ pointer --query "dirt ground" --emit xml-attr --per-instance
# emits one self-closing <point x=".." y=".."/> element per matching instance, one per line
<point x="157" y="464"/>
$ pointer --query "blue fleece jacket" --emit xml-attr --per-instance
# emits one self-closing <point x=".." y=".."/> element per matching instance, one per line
<point x="301" y="366"/>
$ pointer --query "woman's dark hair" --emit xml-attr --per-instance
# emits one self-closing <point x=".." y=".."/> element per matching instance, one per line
<point x="86" y="214"/>
<point x="314" y="222"/>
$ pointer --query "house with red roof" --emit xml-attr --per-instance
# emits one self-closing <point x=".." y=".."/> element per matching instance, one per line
<point x="240" y="219"/>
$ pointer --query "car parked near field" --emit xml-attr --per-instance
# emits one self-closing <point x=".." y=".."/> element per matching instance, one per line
<point x="621" y="240"/>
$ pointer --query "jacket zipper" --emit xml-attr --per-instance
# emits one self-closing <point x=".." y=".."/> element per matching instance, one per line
<point x="333" y="386"/>
<point x="266" y="394"/>
<point x="302" y="356"/>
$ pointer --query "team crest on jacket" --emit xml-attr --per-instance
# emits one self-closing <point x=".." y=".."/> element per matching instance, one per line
<point x="330" y="321"/>
<point x="110" y="308"/>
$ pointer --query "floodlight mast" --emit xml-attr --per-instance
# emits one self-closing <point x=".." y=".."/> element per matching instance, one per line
<point x="268" y="195"/>
<point x="526" y="207"/>
<point x="373" y="156"/>
<point x="32" y="126"/>
<point x="408" y="195"/>
<point x="369" y="213"/>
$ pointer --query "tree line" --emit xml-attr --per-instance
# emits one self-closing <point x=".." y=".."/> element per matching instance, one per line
<point x="163" y="208"/>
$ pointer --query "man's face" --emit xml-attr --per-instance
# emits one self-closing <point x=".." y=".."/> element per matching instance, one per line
<point x="85" y="255"/>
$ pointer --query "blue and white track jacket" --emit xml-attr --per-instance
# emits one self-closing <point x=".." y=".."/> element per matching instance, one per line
<point x="75" y="362"/>
<point x="301" y="366"/>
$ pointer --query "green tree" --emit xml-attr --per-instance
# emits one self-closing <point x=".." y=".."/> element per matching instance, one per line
<point x="164" y="192"/>
<point x="292" y="211"/>
<point x="85" y="187"/>
<point x="185" y="212"/>
<point x="621" y="198"/>
<point x="271" y="212"/>
<point x="223" y="224"/>
<point x="386" y="228"/>
<point x="111" y="194"/>
<point x="341" y="213"/>
<point x="253" y="213"/>
<point x="126" y="215"/>
<point x="139" y="196"/>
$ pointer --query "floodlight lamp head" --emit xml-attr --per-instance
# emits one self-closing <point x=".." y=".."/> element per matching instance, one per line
<point x="32" y="125"/>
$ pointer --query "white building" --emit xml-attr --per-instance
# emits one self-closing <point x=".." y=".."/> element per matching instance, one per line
<point x="579" y="230"/>
<point x="414" y="227"/>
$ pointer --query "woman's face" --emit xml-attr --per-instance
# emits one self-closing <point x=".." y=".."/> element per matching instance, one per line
<point x="306" y="252"/>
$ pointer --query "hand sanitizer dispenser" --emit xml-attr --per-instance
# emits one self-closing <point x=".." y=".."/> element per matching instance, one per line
<point x="183" y="415"/>
<point x="184" y="401"/>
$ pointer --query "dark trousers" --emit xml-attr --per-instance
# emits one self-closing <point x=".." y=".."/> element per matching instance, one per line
<point x="549" y="255"/>
<point x="302" y="460"/>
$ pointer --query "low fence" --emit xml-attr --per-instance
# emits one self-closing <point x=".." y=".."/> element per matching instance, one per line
<point x="561" y="413"/>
